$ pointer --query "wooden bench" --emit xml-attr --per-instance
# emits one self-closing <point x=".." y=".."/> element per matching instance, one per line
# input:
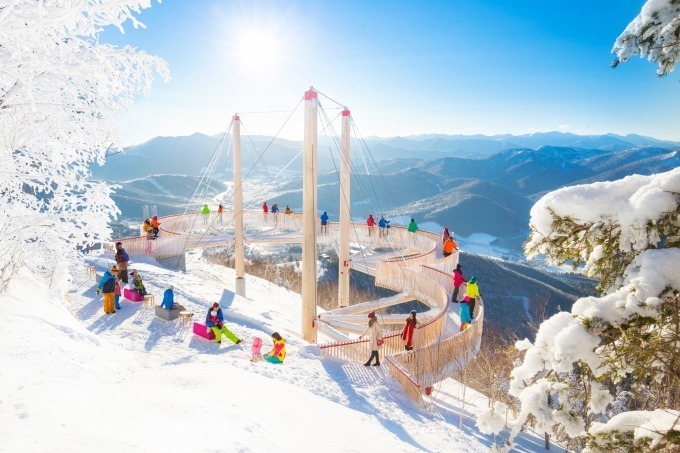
<point x="132" y="295"/>
<point x="203" y="331"/>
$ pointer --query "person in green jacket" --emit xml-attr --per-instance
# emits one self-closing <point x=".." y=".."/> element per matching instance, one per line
<point x="412" y="227"/>
<point x="206" y="214"/>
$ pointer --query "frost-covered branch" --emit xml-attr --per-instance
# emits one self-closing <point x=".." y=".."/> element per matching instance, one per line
<point x="60" y="96"/>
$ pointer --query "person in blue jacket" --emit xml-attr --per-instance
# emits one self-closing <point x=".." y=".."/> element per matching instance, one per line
<point x="324" y="223"/>
<point x="168" y="298"/>
<point x="215" y="320"/>
<point x="383" y="225"/>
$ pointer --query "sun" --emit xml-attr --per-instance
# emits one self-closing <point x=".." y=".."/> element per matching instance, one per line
<point x="257" y="51"/>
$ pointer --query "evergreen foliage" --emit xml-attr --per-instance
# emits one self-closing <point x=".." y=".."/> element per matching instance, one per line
<point x="655" y="34"/>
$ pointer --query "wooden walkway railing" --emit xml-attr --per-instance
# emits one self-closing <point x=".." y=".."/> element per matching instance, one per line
<point x="439" y="348"/>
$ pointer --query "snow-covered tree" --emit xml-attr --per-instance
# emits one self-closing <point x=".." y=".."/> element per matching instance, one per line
<point x="654" y="33"/>
<point x="60" y="94"/>
<point x="622" y="346"/>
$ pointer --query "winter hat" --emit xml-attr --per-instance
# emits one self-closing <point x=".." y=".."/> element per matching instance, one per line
<point x="371" y="314"/>
<point x="458" y="267"/>
<point x="216" y="305"/>
<point x="473" y="279"/>
<point x="114" y="269"/>
<point x="466" y="299"/>
<point x="171" y="287"/>
<point x="155" y="217"/>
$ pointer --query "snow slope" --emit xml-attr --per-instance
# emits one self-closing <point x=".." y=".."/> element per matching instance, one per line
<point x="74" y="379"/>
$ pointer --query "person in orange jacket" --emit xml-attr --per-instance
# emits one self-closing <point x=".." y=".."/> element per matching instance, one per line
<point x="155" y="224"/>
<point x="449" y="246"/>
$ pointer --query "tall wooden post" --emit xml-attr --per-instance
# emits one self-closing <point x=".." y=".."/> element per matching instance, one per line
<point x="343" y="253"/>
<point x="238" y="211"/>
<point x="309" y="218"/>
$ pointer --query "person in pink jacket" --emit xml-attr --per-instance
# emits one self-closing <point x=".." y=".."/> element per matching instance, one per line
<point x="116" y="293"/>
<point x="458" y="281"/>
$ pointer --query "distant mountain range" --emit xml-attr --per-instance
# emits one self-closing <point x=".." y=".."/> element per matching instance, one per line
<point x="469" y="183"/>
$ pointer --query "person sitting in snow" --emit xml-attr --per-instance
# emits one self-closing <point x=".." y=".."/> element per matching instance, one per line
<point x="138" y="283"/>
<point x="278" y="352"/>
<point x="168" y="298"/>
<point x="215" y="322"/>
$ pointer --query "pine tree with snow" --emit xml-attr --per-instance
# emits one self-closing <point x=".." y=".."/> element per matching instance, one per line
<point x="654" y="33"/>
<point x="60" y="93"/>
<point x="621" y="346"/>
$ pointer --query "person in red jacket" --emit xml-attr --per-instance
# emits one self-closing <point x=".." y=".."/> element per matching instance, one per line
<point x="409" y="329"/>
<point x="371" y="223"/>
<point x="458" y="281"/>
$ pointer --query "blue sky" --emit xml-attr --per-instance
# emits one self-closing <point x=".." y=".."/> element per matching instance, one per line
<point x="403" y="68"/>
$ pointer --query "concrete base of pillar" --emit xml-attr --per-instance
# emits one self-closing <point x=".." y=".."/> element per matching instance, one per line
<point x="241" y="287"/>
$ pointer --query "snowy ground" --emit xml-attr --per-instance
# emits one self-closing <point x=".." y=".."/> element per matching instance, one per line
<point x="74" y="379"/>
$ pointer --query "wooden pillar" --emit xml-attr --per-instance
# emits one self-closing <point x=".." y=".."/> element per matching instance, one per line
<point x="343" y="249"/>
<point x="309" y="218"/>
<point x="238" y="211"/>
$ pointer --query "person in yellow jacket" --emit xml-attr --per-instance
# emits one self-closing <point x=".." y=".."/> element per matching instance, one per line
<point x="473" y="293"/>
<point x="278" y="352"/>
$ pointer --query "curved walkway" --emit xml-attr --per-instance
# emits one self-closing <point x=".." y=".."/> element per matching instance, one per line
<point x="410" y="264"/>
